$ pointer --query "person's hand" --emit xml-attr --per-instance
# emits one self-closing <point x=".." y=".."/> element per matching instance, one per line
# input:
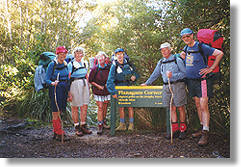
<point x="100" y="87"/>
<point x="183" y="55"/>
<point x="133" y="78"/>
<point x="205" y="71"/>
<point x="169" y="74"/>
<point x="70" y="97"/>
<point x="55" y="83"/>
<point x="143" y="84"/>
<point x="114" y="96"/>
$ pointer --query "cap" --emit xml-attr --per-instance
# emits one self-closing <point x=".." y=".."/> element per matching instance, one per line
<point x="165" y="45"/>
<point x="186" y="31"/>
<point x="61" y="49"/>
<point x="119" y="50"/>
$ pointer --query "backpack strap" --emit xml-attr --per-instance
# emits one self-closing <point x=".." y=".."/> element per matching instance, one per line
<point x="75" y="69"/>
<point x="200" y="50"/>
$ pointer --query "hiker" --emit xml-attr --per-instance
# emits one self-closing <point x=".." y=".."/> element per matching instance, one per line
<point x="122" y="73"/>
<point x="79" y="91"/>
<point x="172" y="67"/>
<point x="97" y="78"/>
<point x="198" y="82"/>
<point x="57" y="80"/>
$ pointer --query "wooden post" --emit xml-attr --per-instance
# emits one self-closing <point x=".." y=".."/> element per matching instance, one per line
<point x="113" y="116"/>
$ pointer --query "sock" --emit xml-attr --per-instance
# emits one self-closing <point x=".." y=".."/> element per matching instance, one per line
<point x="122" y="120"/>
<point x="100" y="122"/>
<point x="183" y="127"/>
<point x="206" y="128"/>
<point x="76" y="124"/>
<point x="174" y="126"/>
<point x="131" y="120"/>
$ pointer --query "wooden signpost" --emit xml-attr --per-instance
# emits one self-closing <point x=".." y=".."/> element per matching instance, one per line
<point x="135" y="96"/>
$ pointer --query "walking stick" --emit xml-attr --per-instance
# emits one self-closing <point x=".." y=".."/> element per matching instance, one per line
<point x="56" y="103"/>
<point x="169" y="84"/>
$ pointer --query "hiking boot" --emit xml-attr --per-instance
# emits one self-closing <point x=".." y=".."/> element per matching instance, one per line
<point x="122" y="126"/>
<point x="175" y="135"/>
<point x="100" y="129"/>
<point x="182" y="135"/>
<point x="85" y="130"/>
<point x="197" y="134"/>
<point x="58" y="137"/>
<point x="131" y="127"/>
<point x="78" y="131"/>
<point x="204" y="138"/>
<point x="105" y="125"/>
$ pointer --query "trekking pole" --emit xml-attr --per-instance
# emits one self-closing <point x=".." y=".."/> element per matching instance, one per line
<point x="169" y="84"/>
<point x="56" y="103"/>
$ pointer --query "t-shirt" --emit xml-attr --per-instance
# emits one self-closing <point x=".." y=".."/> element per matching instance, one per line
<point x="195" y="61"/>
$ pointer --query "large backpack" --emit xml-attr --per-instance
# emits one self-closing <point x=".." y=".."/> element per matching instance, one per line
<point x="40" y="71"/>
<point x="212" y="38"/>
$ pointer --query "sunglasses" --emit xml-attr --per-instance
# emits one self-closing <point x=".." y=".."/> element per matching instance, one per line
<point x="186" y="36"/>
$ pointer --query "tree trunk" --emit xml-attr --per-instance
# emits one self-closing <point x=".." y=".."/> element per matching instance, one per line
<point x="8" y="19"/>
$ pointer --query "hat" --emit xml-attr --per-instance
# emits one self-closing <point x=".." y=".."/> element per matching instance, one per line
<point x="165" y="45"/>
<point x="119" y="50"/>
<point x="186" y="31"/>
<point x="61" y="49"/>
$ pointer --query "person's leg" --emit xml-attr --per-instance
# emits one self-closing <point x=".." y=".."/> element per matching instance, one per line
<point x="83" y="117"/>
<point x="75" y="118"/>
<point x="122" y="125"/>
<point x="206" y="119"/>
<point x="183" y="126"/>
<point x="57" y="126"/>
<point x="131" y="118"/>
<point x="100" y="116"/>
<point x="105" y="107"/>
<point x="198" y="107"/>
<point x="75" y="114"/>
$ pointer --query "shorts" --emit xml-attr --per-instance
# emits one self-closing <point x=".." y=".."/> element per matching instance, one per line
<point x="61" y="93"/>
<point x="79" y="90"/>
<point x="102" y="98"/>
<point x="195" y="88"/>
<point x="179" y="94"/>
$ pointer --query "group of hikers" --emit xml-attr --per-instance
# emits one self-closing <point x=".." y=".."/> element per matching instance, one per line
<point x="70" y="82"/>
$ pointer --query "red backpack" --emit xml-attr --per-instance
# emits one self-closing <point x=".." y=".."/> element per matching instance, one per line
<point x="212" y="38"/>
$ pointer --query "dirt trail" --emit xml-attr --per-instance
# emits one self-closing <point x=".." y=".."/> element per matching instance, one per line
<point x="30" y="142"/>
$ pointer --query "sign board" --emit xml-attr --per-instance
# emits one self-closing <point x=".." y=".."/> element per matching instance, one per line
<point x="139" y="96"/>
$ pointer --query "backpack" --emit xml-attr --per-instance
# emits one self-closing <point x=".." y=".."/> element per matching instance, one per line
<point x="40" y="71"/>
<point x="212" y="38"/>
<point x="177" y="56"/>
<point x="75" y="69"/>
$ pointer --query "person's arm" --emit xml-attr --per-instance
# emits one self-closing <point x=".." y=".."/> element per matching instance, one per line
<point x="181" y="70"/>
<point x="111" y="81"/>
<point x="218" y="54"/>
<point x="155" y="74"/>
<point x="49" y="74"/>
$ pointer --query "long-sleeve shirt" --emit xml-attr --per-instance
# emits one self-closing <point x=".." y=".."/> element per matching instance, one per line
<point x="54" y="69"/>
<point x="99" y="75"/>
<point x="119" y="75"/>
<point x="177" y="68"/>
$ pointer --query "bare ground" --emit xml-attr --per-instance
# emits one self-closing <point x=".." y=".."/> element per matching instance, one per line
<point x="32" y="142"/>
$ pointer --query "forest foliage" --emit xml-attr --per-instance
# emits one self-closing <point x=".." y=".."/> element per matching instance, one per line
<point x="29" y="27"/>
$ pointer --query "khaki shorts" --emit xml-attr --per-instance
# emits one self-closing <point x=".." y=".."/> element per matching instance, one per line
<point x="179" y="94"/>
<point x="80" y="93"/>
